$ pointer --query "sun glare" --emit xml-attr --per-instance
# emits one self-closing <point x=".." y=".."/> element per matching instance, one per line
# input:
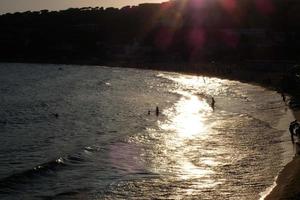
<point x="189" y="121"/>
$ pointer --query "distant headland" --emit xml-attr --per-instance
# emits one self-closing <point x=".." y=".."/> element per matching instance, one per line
<point x="225" y="36"/>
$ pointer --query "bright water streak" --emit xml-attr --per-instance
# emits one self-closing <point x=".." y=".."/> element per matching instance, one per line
<point x="104" y="145"/>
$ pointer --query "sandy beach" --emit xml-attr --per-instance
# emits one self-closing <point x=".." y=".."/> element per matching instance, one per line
<point x="288" y="182"/>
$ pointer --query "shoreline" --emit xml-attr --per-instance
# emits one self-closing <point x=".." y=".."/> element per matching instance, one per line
<point x="244" y="71"/>
<point x="287" y="183"/>
<point x="288" y="180"/>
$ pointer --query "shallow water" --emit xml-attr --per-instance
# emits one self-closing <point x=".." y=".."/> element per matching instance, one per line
<point x="104" y="145"/>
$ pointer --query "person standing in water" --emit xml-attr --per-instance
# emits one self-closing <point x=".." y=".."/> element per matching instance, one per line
<point x="283" y="97"/>
<point x="157" y="111"/>
<point x="213" y="103"/>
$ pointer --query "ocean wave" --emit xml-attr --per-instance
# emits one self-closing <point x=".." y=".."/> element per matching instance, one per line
<point x="37" y="171"/>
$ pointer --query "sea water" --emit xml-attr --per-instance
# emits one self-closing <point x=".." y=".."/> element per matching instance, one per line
<point x="91" y="132"/>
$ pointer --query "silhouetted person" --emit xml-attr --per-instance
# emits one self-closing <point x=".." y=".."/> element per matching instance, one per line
<point x="283" y="97"/>
<point x="149" y="112"/>
<point x="293" y="126"/>
<point x="213" y="103"/>
<point x="157" y="111"/>
<point x="56" y="115"/>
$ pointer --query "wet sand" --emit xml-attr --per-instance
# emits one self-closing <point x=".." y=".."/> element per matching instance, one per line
<point x="288" y="182"/>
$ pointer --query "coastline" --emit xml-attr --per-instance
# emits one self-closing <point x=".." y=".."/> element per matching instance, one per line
<point x="254" y="72"/>
<point x="288" y="181"/>
<point x="287" y="185"/>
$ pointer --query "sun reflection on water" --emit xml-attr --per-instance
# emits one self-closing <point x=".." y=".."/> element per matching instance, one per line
<point x="186" y="128"/>
<point x="196" y="152"/>
<point x="189" y="171"/>
<point x="188" y="117"/>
